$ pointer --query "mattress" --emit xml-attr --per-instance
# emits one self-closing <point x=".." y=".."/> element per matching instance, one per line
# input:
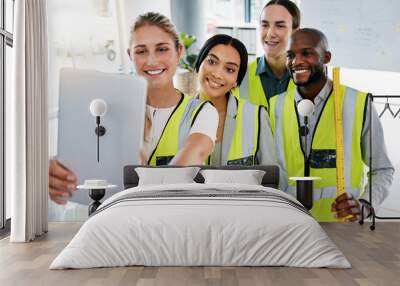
<point x="201" y="225"/>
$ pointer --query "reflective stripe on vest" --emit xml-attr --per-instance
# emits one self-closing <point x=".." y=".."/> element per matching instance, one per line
<point x="290" y="156"/>
<point x="241" y="133"/>
<point x="251" y="88"/>
<point x="176" y="130"/>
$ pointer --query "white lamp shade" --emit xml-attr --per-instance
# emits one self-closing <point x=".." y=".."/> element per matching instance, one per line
<point x="305" y="107"/>
<point x="98" y="107"/>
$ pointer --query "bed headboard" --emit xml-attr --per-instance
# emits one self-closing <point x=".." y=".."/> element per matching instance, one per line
<point x="270" y="179"/>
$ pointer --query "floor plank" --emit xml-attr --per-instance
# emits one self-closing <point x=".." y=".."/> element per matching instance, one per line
<point x="374" y="255"/>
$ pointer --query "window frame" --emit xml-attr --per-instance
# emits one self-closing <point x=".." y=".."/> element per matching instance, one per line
<point x="6" y="39"/>
<point x="247" y="11"/>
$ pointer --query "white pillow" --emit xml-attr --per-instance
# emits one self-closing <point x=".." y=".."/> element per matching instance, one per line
<point x="248" y="177"/>
<point x="163" y="176"/>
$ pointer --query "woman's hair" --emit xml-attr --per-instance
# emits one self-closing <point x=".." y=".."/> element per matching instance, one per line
<point x="228" y="41"/>
<point x="158" y="20"/>
<point x="291" y="7"/>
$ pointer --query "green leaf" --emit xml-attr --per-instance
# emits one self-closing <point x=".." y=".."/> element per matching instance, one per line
<point x="191" y="59"/>
<point x="187" y="40"/>
<point x="183" y="64"/>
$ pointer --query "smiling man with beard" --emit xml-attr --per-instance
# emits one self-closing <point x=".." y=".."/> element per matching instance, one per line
<point x="306" y="60"/>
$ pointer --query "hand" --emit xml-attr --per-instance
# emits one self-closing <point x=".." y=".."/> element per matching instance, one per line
<point x="346" y="207"/>
<point x="62" y="182"/>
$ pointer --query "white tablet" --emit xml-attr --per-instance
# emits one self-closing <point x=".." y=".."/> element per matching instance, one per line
<point x="123" y="121"/>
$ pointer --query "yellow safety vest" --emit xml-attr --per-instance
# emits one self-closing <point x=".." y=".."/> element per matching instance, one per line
<point x="176" y="130"/>
<point x="322" y="159"/>
<point x="240" y="140"/>
<point x="251" y="87"/>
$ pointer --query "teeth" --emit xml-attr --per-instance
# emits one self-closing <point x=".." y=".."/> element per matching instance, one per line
<point x="154" y="72"/>
<point x="214" y="84"/>
<point x="300" y="71"/>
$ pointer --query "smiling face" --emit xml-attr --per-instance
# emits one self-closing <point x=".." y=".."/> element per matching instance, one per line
<point x="218" y="72"/>
<point x="275" y="30"/>
<point x="306" y="59"/>
<point x="155" y="55"/>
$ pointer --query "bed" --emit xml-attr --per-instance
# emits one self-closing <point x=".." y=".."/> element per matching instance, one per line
<point x="201" y="224"/>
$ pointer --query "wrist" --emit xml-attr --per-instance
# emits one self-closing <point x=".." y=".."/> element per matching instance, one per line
<point x="366" y="208"/>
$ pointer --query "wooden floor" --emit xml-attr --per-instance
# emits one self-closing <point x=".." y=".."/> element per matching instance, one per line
<point x="374" y="255"/>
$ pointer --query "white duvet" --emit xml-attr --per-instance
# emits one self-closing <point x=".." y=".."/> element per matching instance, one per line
<point x="183" y="230"/>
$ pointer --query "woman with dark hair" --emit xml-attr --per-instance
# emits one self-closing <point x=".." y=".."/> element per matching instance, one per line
<point x="267" y="75"/>
<point x="244" y="134"/>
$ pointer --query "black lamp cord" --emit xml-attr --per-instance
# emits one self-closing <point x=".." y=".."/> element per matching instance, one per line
<point x="98" y="136"/>
<point x="306" y="169"/>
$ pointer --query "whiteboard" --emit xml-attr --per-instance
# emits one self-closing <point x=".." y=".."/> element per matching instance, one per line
<point x="362" y="34"/>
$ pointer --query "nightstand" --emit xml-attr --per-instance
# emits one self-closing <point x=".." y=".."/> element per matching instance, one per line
<point x="97" y="190"/>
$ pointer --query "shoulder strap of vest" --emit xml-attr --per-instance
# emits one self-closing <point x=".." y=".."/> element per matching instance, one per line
<point x="260" y="107"/>
<point x="197" y="111"/>
<point x="253" y="65"/>
<point x="243" y="90"/>
<point x="368" y="98"/>
<point x="320" y="114"/>
<point x="237" y="102"/>
<point x="165" y="126"/>
<point x="291" y="85"/>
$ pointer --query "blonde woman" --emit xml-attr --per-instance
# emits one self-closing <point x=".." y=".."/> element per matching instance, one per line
<point x="179" y="130"/>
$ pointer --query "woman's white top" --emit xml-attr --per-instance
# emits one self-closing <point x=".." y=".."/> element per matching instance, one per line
<point x="206" y="123"/>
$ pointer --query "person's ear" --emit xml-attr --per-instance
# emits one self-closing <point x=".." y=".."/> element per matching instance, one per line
<point x="180" y="52"/>
<point x="128" y="51"/>
<point x="327" y="57"/>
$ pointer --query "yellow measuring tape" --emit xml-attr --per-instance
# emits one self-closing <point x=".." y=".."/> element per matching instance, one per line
<point x="338" y="104"/>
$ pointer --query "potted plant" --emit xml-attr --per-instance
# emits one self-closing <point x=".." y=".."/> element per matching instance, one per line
<point x="186" y="78"/>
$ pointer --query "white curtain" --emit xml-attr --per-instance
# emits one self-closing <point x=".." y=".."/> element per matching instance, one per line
<point x="26" y="119"/>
